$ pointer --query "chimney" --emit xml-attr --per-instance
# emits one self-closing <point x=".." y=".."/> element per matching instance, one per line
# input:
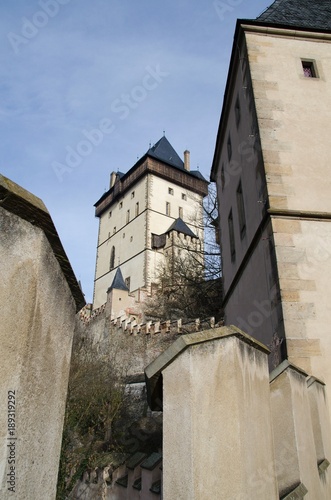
<point x="112" y="179"/>
<point x="187" y="160"/>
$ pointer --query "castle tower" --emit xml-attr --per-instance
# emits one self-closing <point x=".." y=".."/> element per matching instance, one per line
<point x="272" y="169"/>
<point x="136" y="213"/>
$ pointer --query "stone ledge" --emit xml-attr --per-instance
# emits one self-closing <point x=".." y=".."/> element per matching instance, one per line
<point x="296" y="494"/>
<point x="25" y="205"/>
<point x="284" y="366"/>
<point x="153" y="372"/>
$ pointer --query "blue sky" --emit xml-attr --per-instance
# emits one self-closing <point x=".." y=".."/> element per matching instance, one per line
<point x="87" y="86"/>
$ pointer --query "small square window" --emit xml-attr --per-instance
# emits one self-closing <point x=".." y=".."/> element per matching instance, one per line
<point x="309" y="70"/>
<point x="170" y="191"/>
<point x="184" y="196"/>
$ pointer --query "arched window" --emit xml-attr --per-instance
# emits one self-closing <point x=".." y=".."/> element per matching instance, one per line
<point x="112" y="258"/>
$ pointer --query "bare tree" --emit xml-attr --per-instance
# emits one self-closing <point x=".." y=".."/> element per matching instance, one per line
<point x="189" y="283"/>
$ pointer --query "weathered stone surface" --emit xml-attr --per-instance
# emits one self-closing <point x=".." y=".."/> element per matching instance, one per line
<point x="214" y="386"/>
<point x="36" y="330"/>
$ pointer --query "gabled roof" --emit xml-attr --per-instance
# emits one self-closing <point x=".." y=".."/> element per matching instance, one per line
<point x="180" y="226"/>
<point x="118" y="282"/>
<point x="313" y="14"/>
<point x="164" y="151"/>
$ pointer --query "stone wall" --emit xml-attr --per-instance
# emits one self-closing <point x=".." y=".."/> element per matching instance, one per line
<point x="232" y="431"/>
<point x="39" y="296"/>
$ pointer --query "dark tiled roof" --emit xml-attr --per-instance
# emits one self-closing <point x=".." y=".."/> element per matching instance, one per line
<point x="152" y="461"/>
<point x="180" y="226"/>
<point x="135" y="459"/>
<point x="123" y="481"/>
<point x="313" y="14"/>
<point x="156" y="487"/>
<point x="163" y="151"/>
<point x="197" y="174"/>
<point x="118" y="282"/>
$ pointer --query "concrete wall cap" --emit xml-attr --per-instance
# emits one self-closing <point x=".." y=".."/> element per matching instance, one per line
<point x="312" y="380"/>
<point x="153" y="372"/>
<point x="283" y="367"/>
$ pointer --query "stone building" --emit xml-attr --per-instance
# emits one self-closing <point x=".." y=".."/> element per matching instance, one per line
<point x="271" y="166"/>
<point x="140" y="212"/>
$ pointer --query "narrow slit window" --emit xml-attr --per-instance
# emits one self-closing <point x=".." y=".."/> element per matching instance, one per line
<point x="222" y="177"/>
<point x="167" y="208"/>
<point x="237" y="112"/>
<point x="241" y="210"/>
<point x="231" y="237"/>
<point x="229" y="147"/>
<point x="112" y="258"/>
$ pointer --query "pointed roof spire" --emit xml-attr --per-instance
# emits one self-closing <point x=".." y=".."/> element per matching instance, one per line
<point x="163" y="151"/>
<point x="300" y="13"/>
<point x="118" y="282"/>
<point x="180" y="226"/>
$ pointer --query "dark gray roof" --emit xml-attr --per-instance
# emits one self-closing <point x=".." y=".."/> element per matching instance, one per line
<point x="197" y="174"/>
<point x="313" y="14"/>
<point x="118" y="282"/>
<point x="180" y="226"/>
<point x="164" y="151"/>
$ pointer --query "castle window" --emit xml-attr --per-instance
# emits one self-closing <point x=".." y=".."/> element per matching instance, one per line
<point x="123" y="235"/>
<point x="121" y="204"/>
<point x="229" y="147"/>
<point x="184" y="197"/>
<point x="132" y="194"/>
<point x="127" y="282"/>
<point x="241" y="210"/>
<point x="167" y="208"/>
<point x="109" y="215"/>
<point x="222" y="177"/>
<point x="128" y="216"/>
<point x="231" y="237"/>
<point x="170" y="191"/>
<point x="137" y="208"/>
<point x="309" y="69"/>
<point x="112" y="258"/>
<point x="180" y="212"/>
<point x="114" y="230"/>
<point x="237" y="111"/>
<point x="131" y="238"/>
